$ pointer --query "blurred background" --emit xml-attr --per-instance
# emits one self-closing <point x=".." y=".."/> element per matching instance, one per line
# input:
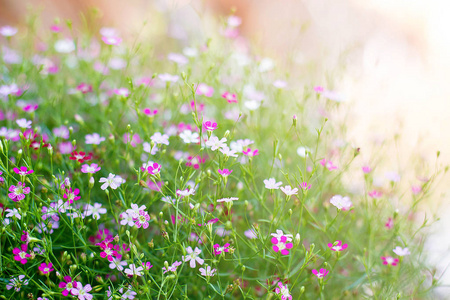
<point x="390" y="59"/>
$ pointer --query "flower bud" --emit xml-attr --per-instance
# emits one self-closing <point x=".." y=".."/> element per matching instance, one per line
<point x="91" y="182"/>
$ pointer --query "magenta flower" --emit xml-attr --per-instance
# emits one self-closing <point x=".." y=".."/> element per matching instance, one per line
<point x="46" y="268"/>
<point x="82" y="292"/>
<point x="321" y="273"/>
<point x="71" y="195"/>
<point x="375" y="194"/>
<point x="249" y="152"/>
<point x="225" y="172"/>
<point x="68" y="285"/>
<point x="108" y="251"/>
<point x="284" y="291"/>
<point x="91" y="169"/>
<point x="84" y="88"/>
<point x="154" y="169"/>
<point x="21" y="254"/>
<point x="337" y="246"/>
<point x="147" y="265"/>
<point x="305" y="186"/>
<point x="280" y="245"/>
<point x="150" y="112"/>
<point x="23" y="171"/>
<point x="209" y="125"/>
<point x="219" y="249"/>
<point x="328" y="164"/>
<point x="231" y="98"/>
<point x="142" y="219"/>
<point x="389" y="260"/>
<point x="366" y="169"/>
<point x="18" y="191"/>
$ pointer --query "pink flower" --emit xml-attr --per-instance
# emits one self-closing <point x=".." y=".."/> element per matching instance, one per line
<point x="203" y="89"/>
<point x="366" y="169"/>
<point x="192" y="256"/>
<point x="416" y="189"/>
<point x="375" y="194"/>
<point x="18" y="191"/>
<point x="328" y="164"/>
<point x="280" y="245"/>
<point x="124" y="92"/>
<point x="134" y="140"/>
<point x="111" y="40"/>
<point x="318" y="89"/>
<point x="195" y="161"/>
<point x="154" y="169"/>
<point x="249" y="152"/>
<point x="389" y="224"/>
<point x="68" y="285"/>
<point x="147" y="265"/>
<point x="209" y="125"/>
<point x="305" y="186"/>
<point x="23" y="171"/>
<point x="55" y="28"/>
<point x="342" y="203"/>
<point x="231" y="98"/>
<point x="288" y="190"/>
<point x="337" y="246"/>
<point x="71" y="195"/>
<point x="284" y="291"/>
<point x="172" y="268"/>
<point x="46" y="268"/>
<point x="225" y="172"/>
<point x="389" y="260"/>
<point x="84" y="88"/>
<point x="321" y="273"/>
<point x="219" y="249"/>
<point x="142" y="219"/>
<point x="21" y="254"/>
<point x="91" y="169"/>
<point x="150" y="112"/>
<point x="108" y="251"/>
<point x="82" y="292"/>
<point x="207" y="271"/>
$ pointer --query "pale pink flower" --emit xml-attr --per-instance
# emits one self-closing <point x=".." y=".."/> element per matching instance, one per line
<point x="342" y="203"/>
<point x="288" y="190"/>
<point x="192" y="256"/>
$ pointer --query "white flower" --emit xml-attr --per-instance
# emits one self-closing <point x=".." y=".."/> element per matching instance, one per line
<point x="13" y="213"/>
<point x="186" y="192"/>
<point x="178" y="58"/>
<point x="226" y="151"/>
<point x="271" y="184"/>
<point x="113" y="181"/>
<point x="340" y="202"/>
<point x="215" y="143"/>
<point x="23" y="123"/>
<point x="8" y="30"/>
<point x="168" y="199"/>
<point x="189" y="136"/>
<point x="208" y="271"/>
<point x="64" y="46"/>
<point x="288" y="190"/>
<point x="148" y="148"/>
<point x="401" y="251"/>
<point x="159" y="138"/>
<point x="132" y="270"/>
<point x="135" y="209"/>
<point x="127" y="219"/>
<point x="192" y="257"/>
<point x="95" y="210"/>
<point x="302" y="151"/>
<point x="168" y="78"/>
<point x="227" y="199"/>
<point x="117" y="264"/>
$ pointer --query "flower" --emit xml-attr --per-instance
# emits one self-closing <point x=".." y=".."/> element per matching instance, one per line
<point x="46" y="268"/>
<point x="18" y="191"/>
<point x="389" y="224"/>
<point x="281" y="245"/>
<point x="416" y="189"/>
<point x="337" y="246"/>
<point x="91" y="169"/>
<point x="250" y="234"/>
<point x="154" y="169"/>
<point x="168" y="77"/>
<point x="279" y="233"/>
<point x="135" y="209"/>
<point x="226" y="151"/>
<point x="230" y="199"/>
<point x="366" y="169"/>
<point x="95" y="210"/>
<point x="159" y="138"/>
<point x="321" y="273"/>
<point x="8" y="31"/>
<point x="389" y="260"/>
<point x="21" y="254"/>
<point x="231" y="98"/>
<point x="147" y="265"/>
<point x="23" y="123"/>
<point x="23" y="171"/>
<point x="17" y="283"/>
<point x="132" y="270"/>
<point x="401" y="251"/>
<point x="117" y="263"/>
<point x="113" y="181"/>
<point x="127" y="219"/>
<point x="215" y="143"/>
<point x="64" y="46"/>
<point x="203" y="89"/>
<point x="250" y="152"/>
<point x="271" y="184"/>
<point x="94" y="139"/>
<point x="108" y="251"/>
<point x="288" y="190"/>
<point x="186" y="192"/>
<point x="68" y="285"/>
<point x="305" y="186"/>
<point x="195" y="161"/>
<point x="142" y="219"/>
<point x="219" y="249"/>
<point x="375" y="194"/>
<point x="192" y="257"/>
<point x="328" y="164"/>
<point x="224" y="172"/>
<point x="207" y="272"/>
<point x="111" y="40"/>
<point x="189" y="137"/>
<point x="82" y="292"/>
<point x="13" y="213"/>
<point x="71" y="195"/>
<point x="284" y="291"/>
<point x="342" y="203"/>
<point x="129" y="294"/>
<point x="124" y="92"/>
<point x="172" y="268"/>
<point x="80" y="156"/>
<point x="209" y="125"/>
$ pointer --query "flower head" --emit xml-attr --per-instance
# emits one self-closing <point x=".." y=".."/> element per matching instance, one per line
<point x="401" y="251"/>
<point x="288" y="190"/>
<point x="46" y="268"/>
<point x="283" y="290"/>
<point x="82" y="291"/>
<point x="23" y="171"/>
<point x="20" y="254"/>
<point x="389" y="260"/>
<point x="281" y="245"/>
<point x="272" y="184"/>
<point x="113" y="181"/>
<point x="192" y="257"/>
<point x="321" y="273"/>
<point x="210" y="125"/>
<point x="68" y="285"/>
<point x="337" y="246"/>
<point x="18" y="191"/>
<point x="91" y="169"/>
<point x="342" y="203"/>
<point x="208" y="272"/>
